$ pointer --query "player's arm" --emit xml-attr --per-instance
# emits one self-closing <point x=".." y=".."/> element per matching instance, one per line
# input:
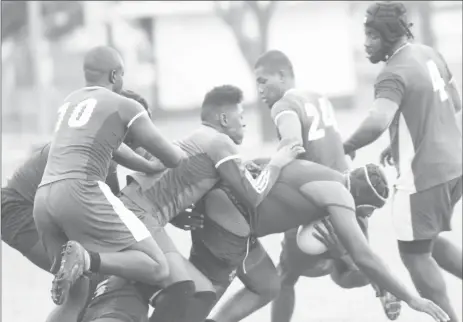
<point x="340" y="205"/>
<point x="389" y="92"/>
<point x="126" y="157"/>
<point x="147" y="135"/>
<point x="346" y="274"/>
<point x="251" y="191"/>
<point x="289" y="127"/>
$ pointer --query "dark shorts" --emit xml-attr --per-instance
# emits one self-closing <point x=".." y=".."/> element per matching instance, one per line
<point x="87" y="212"/>
<point x="18" y="226"/>
<point x="119" y="299"/>
<point x="425" y="214"/>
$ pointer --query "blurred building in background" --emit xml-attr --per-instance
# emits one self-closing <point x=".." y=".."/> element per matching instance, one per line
<point x="175" y="51"/>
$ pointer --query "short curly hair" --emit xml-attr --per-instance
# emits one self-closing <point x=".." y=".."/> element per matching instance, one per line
<point x="218" y="97"/>
<point x="369" y="185"/>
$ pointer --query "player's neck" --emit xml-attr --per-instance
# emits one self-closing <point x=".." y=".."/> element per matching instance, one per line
<point x="212" y="125"/>
<point x="92" y="84"/>
<point x="397" y="47"/>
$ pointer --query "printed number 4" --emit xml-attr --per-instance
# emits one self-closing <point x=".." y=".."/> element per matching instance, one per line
<point x="437" y="82"/>
<point x="326" y="115"/>
<point x="80" y="115"/>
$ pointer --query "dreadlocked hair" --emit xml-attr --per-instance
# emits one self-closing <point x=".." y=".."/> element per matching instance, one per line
<point x="369" y="186"/>
<point x="390" y="19"/>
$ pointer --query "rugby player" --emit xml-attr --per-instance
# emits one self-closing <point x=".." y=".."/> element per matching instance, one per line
<point x="73" y="206"/>
<point x="218" y="252"/>
<point x="416" y="97"/>
<point x="307" y="118"/>
<point x="212" y="156"/>
<point x="17" y="222"/>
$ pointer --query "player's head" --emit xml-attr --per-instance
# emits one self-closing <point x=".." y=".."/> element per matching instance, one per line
<point x="103" y="66"/>
<point x="222" y="109"/>
<point x="138" y="98"/>
<point x="274" y="76"/>
<point x="386" y="26"/>
<point x="369" y="187"/>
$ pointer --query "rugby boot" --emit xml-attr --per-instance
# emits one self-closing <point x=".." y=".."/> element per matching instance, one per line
<point x="71" y="269"/>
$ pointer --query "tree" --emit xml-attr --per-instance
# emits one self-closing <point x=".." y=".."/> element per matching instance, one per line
<point x="250" y="22"/>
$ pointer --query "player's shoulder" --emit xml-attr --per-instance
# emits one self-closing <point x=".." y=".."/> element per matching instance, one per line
<point x="292" y="100"/>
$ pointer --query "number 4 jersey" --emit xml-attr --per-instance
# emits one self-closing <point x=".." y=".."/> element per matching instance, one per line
<point x="92" y="123"/>
<point x="321" y="139"/>
<point x="425" y="138"/>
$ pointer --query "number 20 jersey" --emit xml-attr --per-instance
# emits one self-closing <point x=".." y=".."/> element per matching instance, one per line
<point x="88" y="130"/>
<point x="321" y="139"/>
<point x="425" y="139"/>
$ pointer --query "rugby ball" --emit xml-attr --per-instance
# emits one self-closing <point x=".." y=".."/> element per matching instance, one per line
<point x="307" y="242"/>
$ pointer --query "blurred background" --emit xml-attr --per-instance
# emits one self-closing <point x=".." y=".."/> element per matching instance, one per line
<point x="174" y="52"/>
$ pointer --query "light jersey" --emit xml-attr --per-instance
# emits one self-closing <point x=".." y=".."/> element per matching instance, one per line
<point x="27" y="177"/>
<point x="92" y="124"/>
<point x="176" y="189"/>
<point x="321" y="139"/>
<point x="425" y="139"/>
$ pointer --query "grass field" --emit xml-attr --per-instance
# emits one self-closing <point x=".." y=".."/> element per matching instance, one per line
<point x="26" y="289"/>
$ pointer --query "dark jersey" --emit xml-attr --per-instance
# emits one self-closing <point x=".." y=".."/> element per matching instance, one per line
<point x="321" y="139"/>
<point x="425" y="139"/>
<point x="211" y="156"/>
<point x="28" y="176"/>
<point x="92" y="123"/>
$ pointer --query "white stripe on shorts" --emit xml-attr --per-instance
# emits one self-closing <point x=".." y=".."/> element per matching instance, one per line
<point x="402" y="214"/>
<point x="135" y="225"/>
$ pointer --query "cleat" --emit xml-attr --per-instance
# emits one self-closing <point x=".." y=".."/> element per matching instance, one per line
<point x="391" y="306"/>
<point x="71" y="269"/>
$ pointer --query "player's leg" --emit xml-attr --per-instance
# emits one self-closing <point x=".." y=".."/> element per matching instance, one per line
<point x="19" y="230"/>
<point x="178" y="289"/>
<point x="261" y="282"/>
<point x="290" y="268"/>
<point x="418" y="219"/>
<point x="111" y="240"/>
<point x="447" y="253"/>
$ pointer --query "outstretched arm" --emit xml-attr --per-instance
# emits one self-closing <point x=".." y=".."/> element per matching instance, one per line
<point x="341" y="209"/>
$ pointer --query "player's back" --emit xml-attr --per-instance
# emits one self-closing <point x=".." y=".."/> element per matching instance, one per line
<point x="321" y="139"/>
<point x="286" y="197"/>
<point x="27" y="177"/>
<point x="176" y="189"/>
<point x="425" y="138"/>
<point x="88" y="130"/>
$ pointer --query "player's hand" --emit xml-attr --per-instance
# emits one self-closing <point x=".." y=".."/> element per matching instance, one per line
<point x="324" y="232"/>
<point x="286" y="154"/>
<point x="253" y="168"/>
<point x="426" y="306"/>
<point x="189" y="219"/>
<point x="386" y="157"/>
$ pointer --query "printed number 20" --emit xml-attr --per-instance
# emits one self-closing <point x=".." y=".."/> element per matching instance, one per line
<point x="80" y="114"/>
<point x="326" y="115"/>
<point x="437" y="82"/>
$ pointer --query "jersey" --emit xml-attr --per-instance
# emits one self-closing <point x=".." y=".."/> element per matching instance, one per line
<point x="92" y="124"/>
<point x="27" y="177"/>
<point x="321" y="139"/>
<point x="286" y="207"/>
<point x="212" y="156"/>
<point x="425" y="140"/>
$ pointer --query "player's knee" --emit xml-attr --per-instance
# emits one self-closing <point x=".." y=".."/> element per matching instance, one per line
<point x="287" y="279"/>
<point x="161" y="269"/>
<point x="269" y="290"/>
